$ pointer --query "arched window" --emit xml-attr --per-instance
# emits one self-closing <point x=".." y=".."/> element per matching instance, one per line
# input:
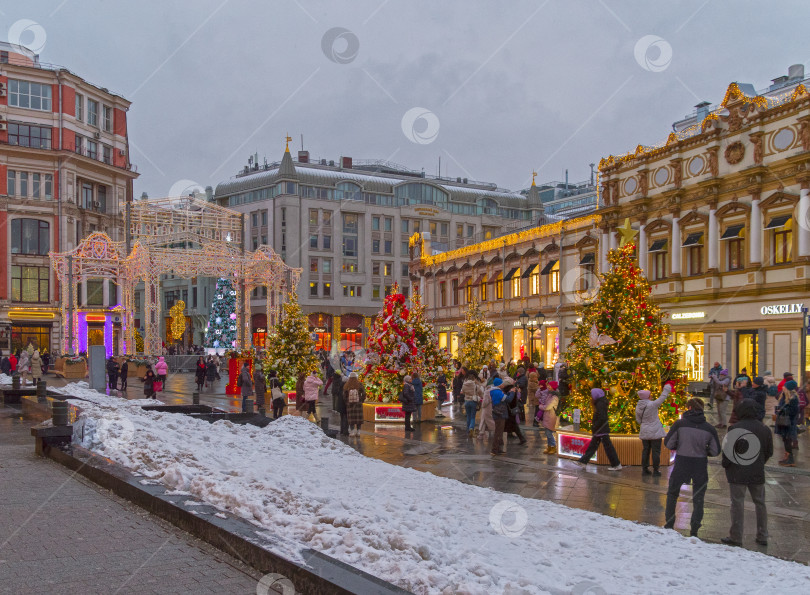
<point x="420" y="194"/>
<point x="348" y="191"/>
<point x="30" y="236"/>
<point x="488" y="206"/>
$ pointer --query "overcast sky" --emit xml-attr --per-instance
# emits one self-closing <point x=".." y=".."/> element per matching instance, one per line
<point x="503" y="87"/>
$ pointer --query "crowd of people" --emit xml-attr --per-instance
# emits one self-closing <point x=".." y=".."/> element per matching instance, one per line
<point x="28" y="363"/>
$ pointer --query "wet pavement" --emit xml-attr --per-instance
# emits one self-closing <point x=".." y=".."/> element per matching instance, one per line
<point x="444" y="448"/>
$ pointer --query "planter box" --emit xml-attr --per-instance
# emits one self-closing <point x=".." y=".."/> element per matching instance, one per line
<point x="140" y="371"/>
<point x="75" y="370"/>
<point x="376" y="412"/>
<point x="571" y="445"/>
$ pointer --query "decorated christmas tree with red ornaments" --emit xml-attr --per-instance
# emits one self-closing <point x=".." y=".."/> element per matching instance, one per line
<point x="622" y="346"/>
<point x="429" y="356"/>
<point x="392" y="351"/>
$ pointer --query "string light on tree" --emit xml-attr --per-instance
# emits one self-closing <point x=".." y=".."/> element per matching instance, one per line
<point x="178" y="319"/>
<point x="476" y="342"/>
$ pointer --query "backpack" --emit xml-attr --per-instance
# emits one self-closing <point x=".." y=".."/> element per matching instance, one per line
<point x="354" y="396"/>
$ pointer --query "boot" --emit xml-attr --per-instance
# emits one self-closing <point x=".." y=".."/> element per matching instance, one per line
<point x="645" y="471"/>
<point x="552" y="450"/>
<point x="788" y="462"/>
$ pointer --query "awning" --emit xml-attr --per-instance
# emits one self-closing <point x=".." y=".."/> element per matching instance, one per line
<point x="777" y="221"/>
<point x="529" y="271"/>
<point x="693" y="239"/>
<point x="466" y="282"/>
<point x="547" y="269"/>
<point x="589" y="258"/>
<point x="481" y="279"/>
<point x="732" y="231"/>
<point x="511" y="273"/>
<point x="658" y="246"/>
<point x="494" y="276"/>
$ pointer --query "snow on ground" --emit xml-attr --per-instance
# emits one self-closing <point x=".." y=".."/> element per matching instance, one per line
<point x="4" y="379"/>
<point x="425" y="533"/>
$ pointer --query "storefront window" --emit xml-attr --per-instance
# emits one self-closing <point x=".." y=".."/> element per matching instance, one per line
<point x="690" y="350"/>
<point x="22" y="336"/>
<point x="499" y="342"/>
<point x="454" y="344"/>
<point x="552" y="350"/>
<point x="747" y="356"/>
<point x="519" y="348"/>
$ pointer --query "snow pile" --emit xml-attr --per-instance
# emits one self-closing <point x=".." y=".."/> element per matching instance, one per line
<point x="424" y="533"/>
<point x="4" y="379"/>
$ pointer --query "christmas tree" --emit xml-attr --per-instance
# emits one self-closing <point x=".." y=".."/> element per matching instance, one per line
<point x="291" y="350"/>
<point x="622" y="346"/>
<point x="476" y="342"/>
<point x="221" y="333"/>
<point x="429" y="356"/>
<point x="392" y="350"/>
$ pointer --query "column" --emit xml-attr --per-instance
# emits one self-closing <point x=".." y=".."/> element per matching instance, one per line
<point x="612" y="239"/>
<point x="755" y="237"/>
<point x="714" y="239"/>
<point x="675" y="251"/>
<point x="603" y="250"/>
<point x="83" y="297"/>
<point x="105" y="292"/>
<point x="804" y="223"/>
<point x="642" y="246"/>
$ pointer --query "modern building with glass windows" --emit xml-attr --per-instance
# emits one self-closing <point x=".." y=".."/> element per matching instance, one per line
<point x="64" y="171"/>
<point x="348" y="225"/>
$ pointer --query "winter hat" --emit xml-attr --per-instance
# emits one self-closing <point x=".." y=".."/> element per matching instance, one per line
<point x="787" y="375"/>
<point x="643" y="394"/>
<point x="439" y="369"/>
<point x="507" y="383"/>
<point x="597" y="393"/>
<point x="497" y="382"/>
<point x="485" y="367"/>
<point x="353" y="375"/>
<point x="553" y="385"/>
<point x="407" y="378"/>
<point x="521" y="371"/>
<point x="759" y="380"/>
<point x="791" y="385"/>
<point x="723" y="372"/>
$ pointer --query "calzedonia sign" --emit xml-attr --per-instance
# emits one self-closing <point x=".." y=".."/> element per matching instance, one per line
<point x="775" y="309"/>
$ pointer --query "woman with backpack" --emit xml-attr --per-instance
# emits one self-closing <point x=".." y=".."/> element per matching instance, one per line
<point x="277" y="395"/>
<point x="354" y="394"/>
<point x="785" y="416"/>
<point x="469" y="388"/>
<point x="651" y="430"/>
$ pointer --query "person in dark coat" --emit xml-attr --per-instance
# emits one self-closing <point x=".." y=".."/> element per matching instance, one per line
<point x="300" y="402"/>
<point x="245" y="383"/>
<point x="211" y="372"/>
<point x="521" y="386"/>
<point x="5" y="366"/>
<point x="419" y="389"/>
<point x="149" y="384"/>
<point x="458" y="380"/>
<point x="408" y="400"/>
<point x="340" y="401"/>
<point x="600" y="432"/>
<point x="353" y="395"/>
<point x="278" y="396"/>
<point x="259" y="384"/>
<point x="123" y="374"/>
<point x="512" y="400"/>
<point x="694" y="440"/>
<point x="112" y="373"/>
<point x="759" y="394"/>
<point x="441" y="388"/>
<point x="746" y="448"/>
<point x="200" y="373"/>
<point x="785" y="416"/>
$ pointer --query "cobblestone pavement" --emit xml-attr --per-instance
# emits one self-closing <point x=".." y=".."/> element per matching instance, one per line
<point x="445" y="449"/>
<point x="60" y="533"/>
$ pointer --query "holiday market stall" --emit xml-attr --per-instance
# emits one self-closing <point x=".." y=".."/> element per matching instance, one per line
<point x="622" y="346"/>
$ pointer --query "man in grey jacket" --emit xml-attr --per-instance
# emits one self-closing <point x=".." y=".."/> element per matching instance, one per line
<point x="694" y="440"/>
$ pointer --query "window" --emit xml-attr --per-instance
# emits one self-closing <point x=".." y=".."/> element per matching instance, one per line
<point x="30" y="236"/>
<point x="445" y="229"/>
<point x="283" y="216"/>
<point x="389" y="224"/>
<point x="107" y="111"/>
<point x="659" y="265"/>
<point x="443" y="293"/>
<point x="404" y="249"/>
<point x="327" y="290"/>
<point x="35" y="185"/>
<point x="736" y="254"/>
<point x="193" y="297"/>
<point x="25" y="135"/>
<point x="419" y="193"/>
<point x="695" y="255"/>
<point x="254" y="219"/>
<point x="375" y="268"/>
<point x="350" y="246"/>
<point x="313" y="216"/>
<point x="29" y="95"/>
<point x="375" y="292"/>
<point x="92" y="112"/>
<point x="92" y="149"/>
<point x="313" y="265"/>
<point x="433" y="228"/>
<point x="327" y="218"/>
<point x="534" y="284"/>
<point x="459" y="230"/>
<point x="327" y="242"/>
<point x="350" y="265"/>
<point x="106" y="152"/>
<point x="468" y="290"/>
<point x="389" y="246"/>
<point x="387" y="269"/>
<point x="482" y="293"/>
<point x="11" y="181"/>
<point x="352" y="291"/>
<point x="470" y="230"/>
<point x="313" y="241"/>
<point x="95" y="293"/>
<point x="48" y="186"/>
<point x="327" y="266"/>
<point x="101" y="193"/>
<point x="23" y="183"/>
<point x="87" y="196"/>
<point x="554" y="278"/>
<point x="29" y="284"/>
<point x="264" y="219"/>
<point x="516" y="285"/>
<point x="375" y="246"/>
<point x="79" y="107"/>
<point x="78" y="144"/>
<point x="499" y="287"/>
<point x="404" y="226"/>
<point x="417" y="226"/>
<point x="313" y="290"/>
<point x="350" y="221"/>
<point x="375" y="224"/>
<point x="782" y="240"/>
<point x="405" y="272"/>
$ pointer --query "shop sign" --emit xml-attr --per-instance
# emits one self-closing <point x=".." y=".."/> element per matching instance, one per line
<point x="314" y="329"/>
<point x="260" y="330"/>
<point x="350" y="330"/>
<point x="427" y="211"/>
<point x="446" y="328"/>
<point x="776" y="309"/>
<point x="388" y="413"/>
<point x="688" y="315"/>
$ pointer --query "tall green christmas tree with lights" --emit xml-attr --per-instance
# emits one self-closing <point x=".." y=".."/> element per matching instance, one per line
<point x="622" y="346"/>
<point x="221" y="331"/>
<point x="291" y="350"/>
<point x="429" y="356"/>
<point x="476" y="342"/>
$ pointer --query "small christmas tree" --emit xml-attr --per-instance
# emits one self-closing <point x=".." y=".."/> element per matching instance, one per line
<point x="429" y="356"/>
<point x="476" y="342"/>
<point x="392" y="350"/>
<point x="291" y="350"/>
<point x="221" y="333"/>
<point x="622" y="346"/>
